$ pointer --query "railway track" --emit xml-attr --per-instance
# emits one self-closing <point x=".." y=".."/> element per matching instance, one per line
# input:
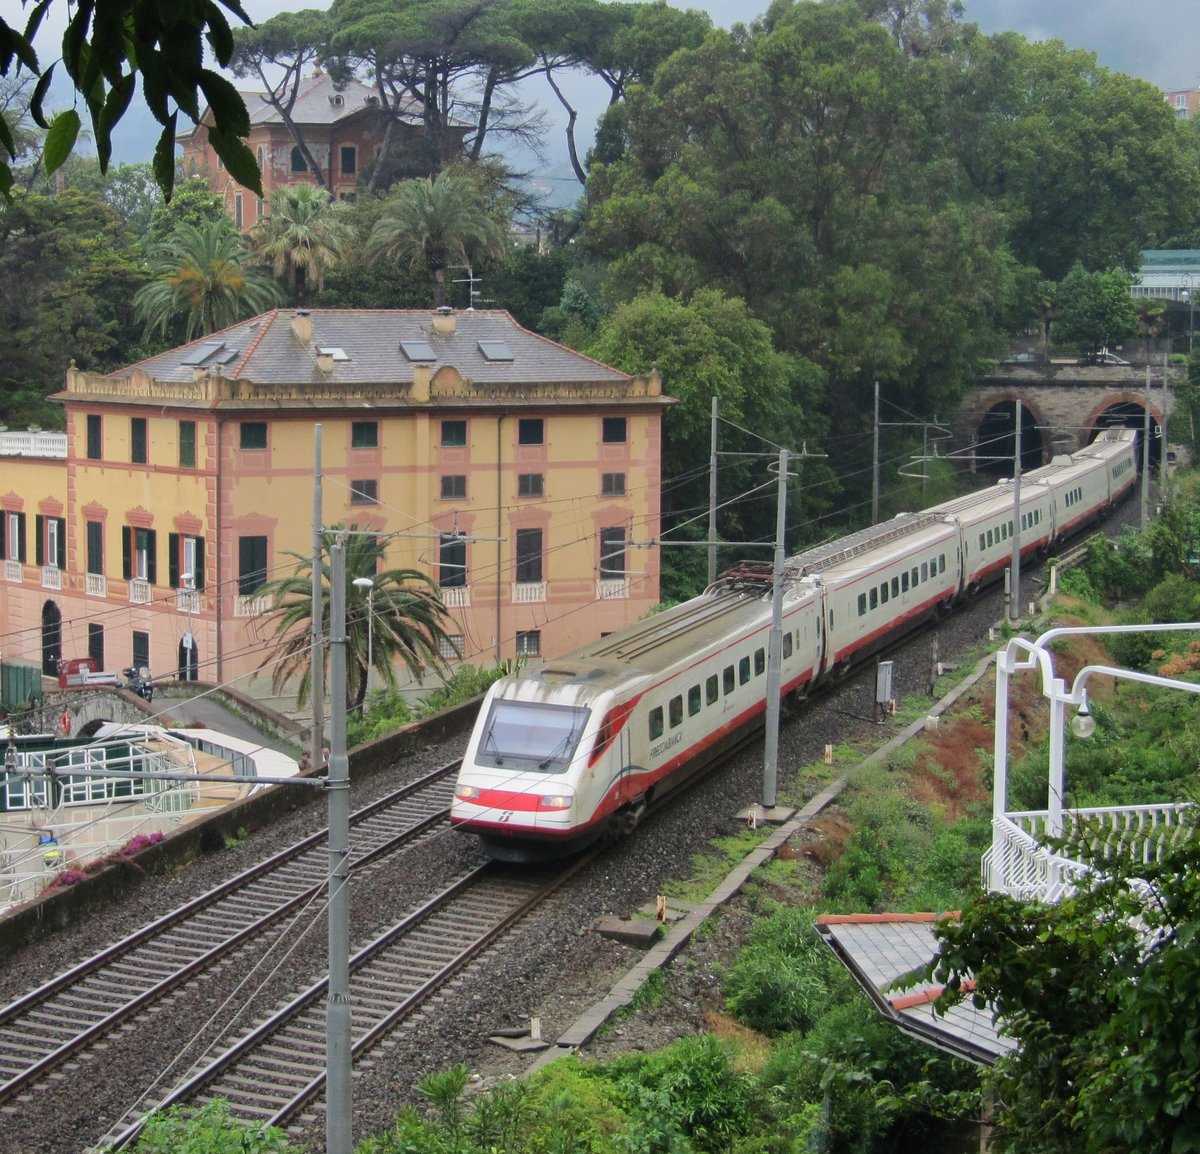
<point x="42" y="1030"/>
<point x="277" y="1069"/>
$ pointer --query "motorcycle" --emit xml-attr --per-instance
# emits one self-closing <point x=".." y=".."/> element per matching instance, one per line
<point x="138" y="681"/>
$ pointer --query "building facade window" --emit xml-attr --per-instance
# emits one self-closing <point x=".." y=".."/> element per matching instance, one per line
<point x="95" y="547"/>
<point x="454" y="487"/>
<point x="531" y="485"/>
<point x="185" y="558"/>
<point x="141" y="650"/>
<point x="139" y="554"/>
<point x="138" y="450"/>
<point x="612" y="553"/>
<point x="95" y="441"/>
<point x="253" y="435"/>
<point x="531" y="431"/>
<point x="297" y="162"/>
<point x="452" y="561"/>
<point x="364" y="434"/>
<point x="12" y="540"/>
<point x="612" y="485"/>
<point x="349" y="159"/>
<point x="95" y="634"/>
<point x="451" y="646"/>
<point x="50" y="546"/>
<point x="237" y="210"/>
<point x="364" y="492"/>
<point x="615" y="431"/>
<point x="529" y="642"/>
<point x="529" y="555"/>
<point x="454" y="434"/>
<point x="187" y="444"/>
<point x="252" y="564"/>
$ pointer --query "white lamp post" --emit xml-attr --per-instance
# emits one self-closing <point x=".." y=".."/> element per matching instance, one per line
<point x="369" y="585"/>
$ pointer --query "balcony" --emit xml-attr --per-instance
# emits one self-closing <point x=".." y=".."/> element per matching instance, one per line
<point x="456" y="596"/>
<point x="97" y="585"/>
<point x="528" y="592"/>
<point x="13" y="571"/>
<point x="51" y="577"/>
<point x="612" y="588"/>
<point x="140" y="592"/>
<point x="187" y="600"/>
<point x="250" y="605"/>
<point x="34" y="444"/>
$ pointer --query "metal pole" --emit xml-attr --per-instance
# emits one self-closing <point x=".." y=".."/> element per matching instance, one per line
<point x="775" y="643"/>
<point x="1162" y="441"/>
<point x="1145" y="509"/>
<point x="317" y="654"/>
<point x="1000" y="761"/>
<point x="712" y="493"/>
<point x="338" y="1085"/>
<point x="370" y="633"/>
<point x="875" y="462"/>
<point x="1014" y="605"/>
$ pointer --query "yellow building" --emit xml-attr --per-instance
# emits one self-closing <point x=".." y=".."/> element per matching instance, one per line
<point x="518" y="474"/>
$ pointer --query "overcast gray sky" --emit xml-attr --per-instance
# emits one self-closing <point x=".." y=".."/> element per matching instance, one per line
<point x="1158" y="40"/>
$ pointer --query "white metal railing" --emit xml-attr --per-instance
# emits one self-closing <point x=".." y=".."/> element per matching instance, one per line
<point x="528" y="592"/>
<point x="1019" y="863"/>
<point x="456" y="596"/>
<point x="33" y="444"/>
<point x="96" y="585"/>
<point x="13" y="571"/>
<point x="610" y="588"/>
<point x="51" y="577"/>
<point x="139" y="592"/>
<point x="248" y="605"/>
<point x="187" y="600"/>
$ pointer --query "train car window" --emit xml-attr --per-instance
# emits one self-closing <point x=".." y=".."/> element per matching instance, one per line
<point x="743" y="670"/>
<point x="656" y="723"/>
<point x="1010" y="528"/>
<point x="989" y="537"/>
<point x="693" y="701"/>
<point x="760" y="662"/>
<point x="981" y="542"/>
<point x="675" y="711"/>
<point x="914" y="576"/>
<point x="895" y="586"/>
<point x="883" y="593"/>
<point x="941" y="562"/>
<point x="924" y="571"/>
<point x="904" y="581"/>
<point x="712" y="690"/>
<point x="728" y="678"/>
<point x="874" y="598"/>
<point x="862" y="604"/>
<point x="787" y="646"/>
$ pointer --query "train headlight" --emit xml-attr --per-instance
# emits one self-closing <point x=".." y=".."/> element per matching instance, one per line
<point x="555" y="801"/>
<point x="467" y="793"/>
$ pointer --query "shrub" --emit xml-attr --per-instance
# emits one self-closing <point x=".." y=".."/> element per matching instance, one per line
<point x="207" y="1130"/>
<point x="785" y="977"/>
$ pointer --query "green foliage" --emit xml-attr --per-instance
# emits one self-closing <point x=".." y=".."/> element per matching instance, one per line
<point x="691" y="1087"/>
<point x="1101" y="991"/>
<point x="207" y="1130"/>
<point x="1095" y="309"/>
<point x="194" y="203"/>
<point x="304" y="235"/>
<point x="785" y="978"/>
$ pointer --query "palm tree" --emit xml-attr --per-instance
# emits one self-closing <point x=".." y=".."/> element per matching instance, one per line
<point x="304" y="235"/>
<point x="407" y="620"/>
<point x="203" y="277"/>
<point x="438" y="221"/>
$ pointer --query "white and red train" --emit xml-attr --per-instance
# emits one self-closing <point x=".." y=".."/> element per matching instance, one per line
<point x="575" y="746"/>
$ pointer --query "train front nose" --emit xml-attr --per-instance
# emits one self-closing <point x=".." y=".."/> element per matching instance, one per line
<point x="535" y="808"/>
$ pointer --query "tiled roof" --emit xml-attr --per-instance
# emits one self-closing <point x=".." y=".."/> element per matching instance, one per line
<point x="266" y="350"/>
<point x="320" y="101"/>
<point x="879" y="949"/>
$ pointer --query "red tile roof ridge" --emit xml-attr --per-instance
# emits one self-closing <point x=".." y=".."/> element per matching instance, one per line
<point x="925" y="996"/>
<point x="881" y="919"/>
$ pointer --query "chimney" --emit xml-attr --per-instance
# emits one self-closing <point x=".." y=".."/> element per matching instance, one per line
<point x="302" y="326"/>
<point x="443" y="321"/>
<point x="325" y="362"/>
<point x="421" y="381"/>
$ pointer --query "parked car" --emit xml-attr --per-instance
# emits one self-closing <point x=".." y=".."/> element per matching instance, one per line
<point x="1026" y="358"/>
<point x="1103" y="357"/>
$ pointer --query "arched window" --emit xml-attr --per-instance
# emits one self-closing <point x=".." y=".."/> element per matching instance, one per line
<point x="298" y="164"/>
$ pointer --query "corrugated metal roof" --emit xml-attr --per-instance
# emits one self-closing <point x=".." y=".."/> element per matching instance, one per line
<point x="269" y="351"/>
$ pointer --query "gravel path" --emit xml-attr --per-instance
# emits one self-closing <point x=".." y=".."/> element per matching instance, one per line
<point x="552" y="965"/>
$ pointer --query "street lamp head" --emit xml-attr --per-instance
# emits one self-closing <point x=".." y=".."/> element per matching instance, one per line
<point x="364" y="582"/>
<point x="1083" y="724"/>
<point x="186" y="579"/>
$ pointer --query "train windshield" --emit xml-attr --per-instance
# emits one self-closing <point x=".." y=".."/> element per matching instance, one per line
<point x="519" y="733"/>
